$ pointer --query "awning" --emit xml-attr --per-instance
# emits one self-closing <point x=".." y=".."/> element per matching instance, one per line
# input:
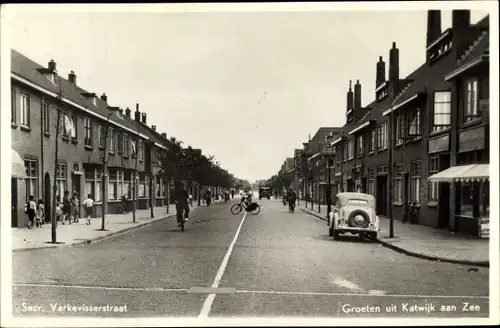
<point x="463" y="173"/>
<point x="18" y="168"/>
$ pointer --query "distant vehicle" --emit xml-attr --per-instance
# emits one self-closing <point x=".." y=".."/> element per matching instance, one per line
<point x="354" y="213"/>
<point x="264" y="192"/>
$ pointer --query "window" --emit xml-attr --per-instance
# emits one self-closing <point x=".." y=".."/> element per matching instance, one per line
<point x="382" y="136"/>
<point x="371" y="182"/>
<point x="31" y="178"/>
<point x="416" y="175"/>
<point x="471" y="105"/>
<point x="127" y="184"/>
<point x="111" y="140"/>
<point x="467" y="199"/>
<point x="433" y="186"/>
<point x="46" y="117"/>
<point x="414" y="122"/>
<point x="442" y="110"/>
<point x="93" y="184"/>
<point x="61" y="181"/>
<point x="125" y="144"/>
<point x="359" y="146"/>
<point x="24" y="104"/>
<point x="120" y="142"/>
<point x="133" y="144"/>
<point x="113" y="184"/>
<point x="484" y="202"/>
<point x="373" y="139"/>
<point x="141" y="150"/>
<point x="88" y="132"/>
<point x="382" y="169"/>
<point x="350" y="149"/>
<point x="142" y="185"/>
<point x="73" y="133"/>
<point x="13" y="108"/>
<point x="398" y="182"/>
<point x="159" y="185"/>
<point x="400" y="129"/>
<point x="100" y="131"/>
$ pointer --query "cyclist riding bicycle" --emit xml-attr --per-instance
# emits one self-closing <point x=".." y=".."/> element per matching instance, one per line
<point x="291" y="197"/>
<point x="181" y="202"/>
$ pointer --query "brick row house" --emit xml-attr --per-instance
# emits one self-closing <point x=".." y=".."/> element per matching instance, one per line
<point x="88" y="125"/>
<point x="438" y="142"/>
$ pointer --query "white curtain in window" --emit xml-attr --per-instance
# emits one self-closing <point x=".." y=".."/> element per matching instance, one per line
<point x="88" y="189"/>
<point x="112" y="190"/>
<point x="98" y="189"/>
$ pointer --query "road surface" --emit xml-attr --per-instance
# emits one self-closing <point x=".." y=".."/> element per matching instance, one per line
<point x="267" y="265"/>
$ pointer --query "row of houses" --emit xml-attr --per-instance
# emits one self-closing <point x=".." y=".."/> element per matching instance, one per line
<point x="91" y="130"/>
<point x="431" y="165"/>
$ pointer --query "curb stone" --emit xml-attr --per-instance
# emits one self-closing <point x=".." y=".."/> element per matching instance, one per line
<point x="100" y="238"/>
<point x="485" y="264"/>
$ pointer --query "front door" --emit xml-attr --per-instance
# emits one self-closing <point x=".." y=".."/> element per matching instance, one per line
<point x="382" y="195"/>
<point x="46" y="197"/>
<point x="13" y="193"/>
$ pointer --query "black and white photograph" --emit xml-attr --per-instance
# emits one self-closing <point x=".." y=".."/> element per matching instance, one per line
<point x="249" y="164"/>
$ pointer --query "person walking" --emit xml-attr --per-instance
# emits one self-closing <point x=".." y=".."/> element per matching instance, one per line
<point x="66" y="208"/>
<point x="88" y="204"/>
<point x="40" y="213"/>
<point x="75" y="207"/>
<point x="31" y="211"/>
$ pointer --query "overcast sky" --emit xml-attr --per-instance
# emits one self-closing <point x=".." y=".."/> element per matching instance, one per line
<point x="247" y="87"/>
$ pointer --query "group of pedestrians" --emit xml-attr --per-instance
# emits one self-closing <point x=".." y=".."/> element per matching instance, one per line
<point x="35" y="212"/>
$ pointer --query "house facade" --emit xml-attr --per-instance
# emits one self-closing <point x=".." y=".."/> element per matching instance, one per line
<point x="89" y="131"/>
<point x="422" y="146"/>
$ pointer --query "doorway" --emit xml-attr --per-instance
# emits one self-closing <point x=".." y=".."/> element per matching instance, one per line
<point x="382" y="195"/>
<point x="444" y="205"/>
<point x="13" y="193"/>
<point x="75" y="184"/>
<point x="46" y="196"/>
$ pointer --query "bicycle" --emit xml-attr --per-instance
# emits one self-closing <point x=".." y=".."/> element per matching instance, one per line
<point x="252" y="208"/>
<point x="182" y="214"/>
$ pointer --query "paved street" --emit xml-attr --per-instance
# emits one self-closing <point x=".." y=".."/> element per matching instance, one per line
<point x="270" y="264"/>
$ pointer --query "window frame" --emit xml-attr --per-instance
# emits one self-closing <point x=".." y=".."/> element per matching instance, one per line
<point x="415" y="181"/>
<point x="434" y="167"/>
<point x="468" y="113"/>
<point x="359" y="145"/>
<point x="439" y="127"/>
<point x="415" y="115"/>
<point x="13" y="105"/>
<point x="24" y="111"/>
<point x="46" y="116"/>
<point x="373" y="140"/>
<point x="29" y="165"/>
<point x="62" y="179"/>
<point x="87" y="123"/>
<point x="398" y="191"/>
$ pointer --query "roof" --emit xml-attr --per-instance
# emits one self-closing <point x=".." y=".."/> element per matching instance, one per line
<point x="419" y="84"/>
<point x="481" y="46"/>
<point x="28" y="69"/>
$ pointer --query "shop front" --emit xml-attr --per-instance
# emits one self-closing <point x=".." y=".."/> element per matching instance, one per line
<point x="472" y="200"/>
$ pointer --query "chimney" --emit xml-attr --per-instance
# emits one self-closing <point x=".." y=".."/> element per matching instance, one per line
<point x="144" y="118"/>
<point x="72" y="77"/>
<point x="52" y="65"/>
<point x="121" y="111"/>
<point x="137" y="113"/>
<point x="153" y="127"/>
<point x="380" y="72"/>
<point x="394" y="63"/>
<point x="350" y="100"/>
<point x="104" y="97"/>
<point x="433" y="26"/>
<point x="127" y="112"/>
<point x="357" y="96"/>
<point x="460" y="19"/>
<point x="164" y="135"/>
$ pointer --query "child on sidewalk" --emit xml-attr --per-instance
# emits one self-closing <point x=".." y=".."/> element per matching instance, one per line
<point x="88" y="203"/>
<point x="40" y="213"/>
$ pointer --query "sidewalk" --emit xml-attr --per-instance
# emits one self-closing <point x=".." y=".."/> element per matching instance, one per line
<point x="426" y="242"/>
<point x="24" y="239"/>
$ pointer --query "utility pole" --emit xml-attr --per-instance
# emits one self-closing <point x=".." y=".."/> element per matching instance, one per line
<point x="390" y="168"/>
<point x="104" y="177"/>
<point x="56" y="159"/>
